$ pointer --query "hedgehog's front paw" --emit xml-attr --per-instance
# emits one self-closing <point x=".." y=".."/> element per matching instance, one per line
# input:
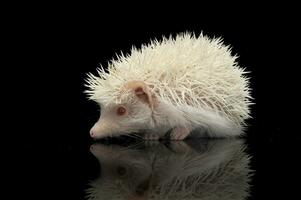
<point x="180" y="147"/>
<point x="151" y="136"/>
<point x="179" y="133"/>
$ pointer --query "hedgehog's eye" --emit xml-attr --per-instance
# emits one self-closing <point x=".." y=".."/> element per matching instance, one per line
<point x="121" y="110"/>
<point x="121" y="171"/>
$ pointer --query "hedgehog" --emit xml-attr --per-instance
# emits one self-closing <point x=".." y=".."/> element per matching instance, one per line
<point x="172" y="87"/>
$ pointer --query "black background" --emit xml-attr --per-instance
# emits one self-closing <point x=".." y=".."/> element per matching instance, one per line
<point x="54" y="47"/>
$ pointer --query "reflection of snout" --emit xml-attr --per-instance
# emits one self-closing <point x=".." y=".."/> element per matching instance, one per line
<point x="94" y="148"/>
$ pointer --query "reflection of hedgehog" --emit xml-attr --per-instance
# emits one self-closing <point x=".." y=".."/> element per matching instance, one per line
<point x="220" y="171"/>
<point x="181" y="84"/>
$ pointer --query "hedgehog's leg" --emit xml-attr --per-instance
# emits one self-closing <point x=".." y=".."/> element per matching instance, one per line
<point x="180" y="147"/>
<point x="179" y="133"/>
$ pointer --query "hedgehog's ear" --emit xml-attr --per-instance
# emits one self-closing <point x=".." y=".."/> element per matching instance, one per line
<point x="143" y="94"/>
<point x="141" y="90"/>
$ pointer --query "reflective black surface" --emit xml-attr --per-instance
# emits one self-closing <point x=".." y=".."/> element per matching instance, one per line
<point x="204" y="169"/>
<point x="122" y="168"/>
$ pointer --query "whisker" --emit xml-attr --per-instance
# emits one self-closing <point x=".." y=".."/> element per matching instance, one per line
<point x="134" y="146"/>
<point x="132" y="135"/>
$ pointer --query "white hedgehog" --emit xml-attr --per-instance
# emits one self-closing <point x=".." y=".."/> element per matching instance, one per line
<point x="180" y="84"/>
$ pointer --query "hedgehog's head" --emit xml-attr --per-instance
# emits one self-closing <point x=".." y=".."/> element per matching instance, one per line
<point x="132" y="113"/>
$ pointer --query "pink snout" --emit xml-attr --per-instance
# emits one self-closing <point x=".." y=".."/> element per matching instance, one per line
<point x="92" y="133"/>
<point x="102" y="129"/>
<point x="94" y="130"/>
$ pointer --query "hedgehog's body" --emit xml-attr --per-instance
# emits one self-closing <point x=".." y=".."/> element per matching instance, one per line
<point x="181" y="84"/>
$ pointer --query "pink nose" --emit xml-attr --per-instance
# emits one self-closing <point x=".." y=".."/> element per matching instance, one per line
<point x="92" y="134"/>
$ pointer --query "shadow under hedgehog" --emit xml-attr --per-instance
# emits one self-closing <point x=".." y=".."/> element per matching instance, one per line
<point x="176" y="84"/>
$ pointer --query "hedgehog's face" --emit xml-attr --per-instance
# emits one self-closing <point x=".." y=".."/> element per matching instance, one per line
<point x="133" y="114"/>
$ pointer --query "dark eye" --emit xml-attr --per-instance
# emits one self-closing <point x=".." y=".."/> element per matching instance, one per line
<point x="121" y="171"/>
<point x="121" y="110"/>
